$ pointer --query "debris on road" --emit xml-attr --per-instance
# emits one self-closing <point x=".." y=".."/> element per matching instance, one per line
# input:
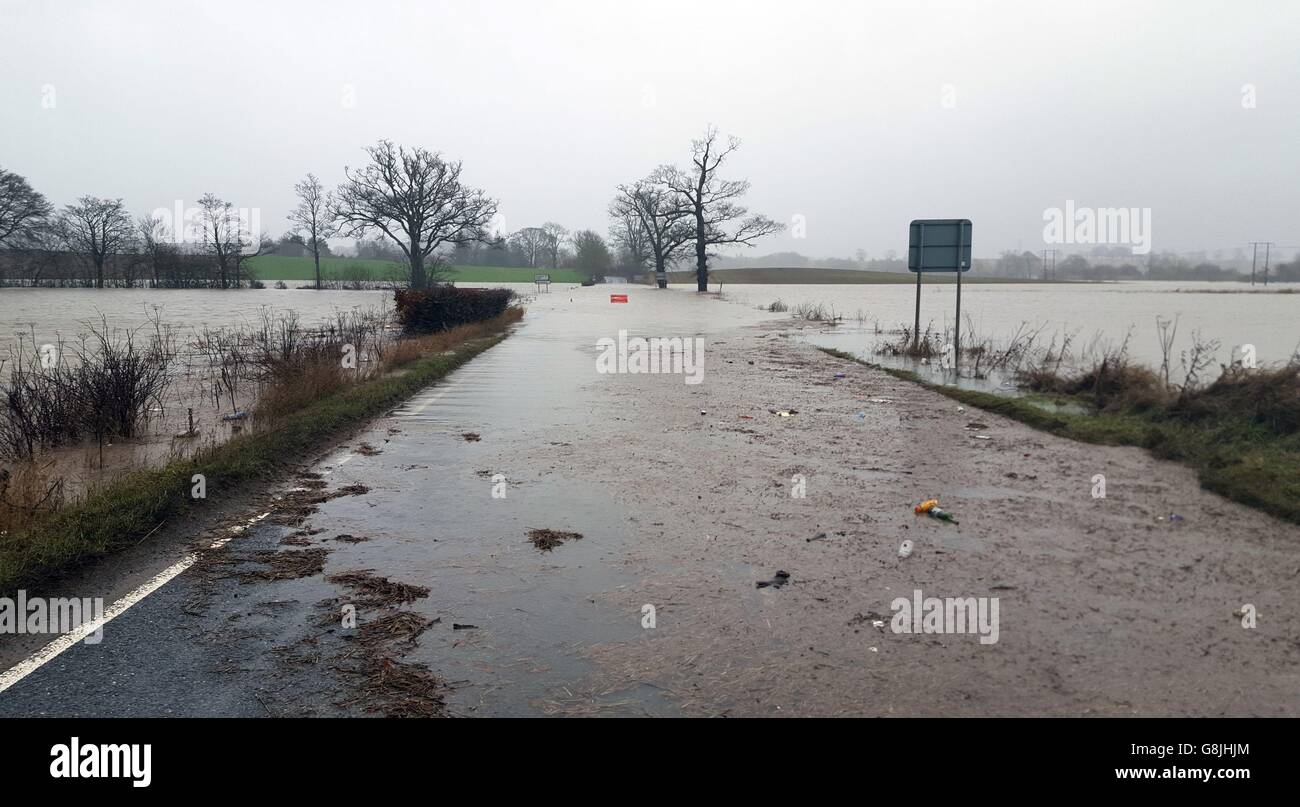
<point x="471" y="437"/>
<point x="930" y="507"/>
<point x="403" y="627"/>
<point x="371" y="590"/>
<point x="778" y="580"/>
<point x="905" y="550"/>
<point x="545" y="539"/>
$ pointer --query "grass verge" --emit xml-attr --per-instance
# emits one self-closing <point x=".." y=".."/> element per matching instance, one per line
<point x="124" y="513"/>
<point x="1234" y="451"/>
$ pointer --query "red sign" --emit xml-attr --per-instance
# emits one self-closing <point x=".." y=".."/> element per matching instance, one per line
<point x="618" y="298"/>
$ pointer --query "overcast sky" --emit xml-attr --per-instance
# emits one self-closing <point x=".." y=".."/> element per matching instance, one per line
<point x="858" y="116"/>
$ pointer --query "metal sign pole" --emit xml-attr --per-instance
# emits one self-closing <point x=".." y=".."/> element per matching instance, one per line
<point x="956" y="360"/>
<point x="920" y="264"/>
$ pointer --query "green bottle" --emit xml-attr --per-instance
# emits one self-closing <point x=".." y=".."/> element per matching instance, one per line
<point x="942" y="515"/>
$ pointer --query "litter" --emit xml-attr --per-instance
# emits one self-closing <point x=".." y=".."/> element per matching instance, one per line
<point x="961" y="410"/>
<point x="240" y="415"/>
<point x="785" y="413"/>
<point x="981" y="437"/>
<point x="879" y="400"/>
<point x="618" y="298"/>
<point x="905" y="549"/>
<point x="930" y="507"/>
<point x="778" y="580"/>
<point x="840" y="375"/>
<point x="861" y="416"/>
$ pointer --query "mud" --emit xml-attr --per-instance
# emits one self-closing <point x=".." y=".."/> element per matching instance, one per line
<point x="547" y="540"/>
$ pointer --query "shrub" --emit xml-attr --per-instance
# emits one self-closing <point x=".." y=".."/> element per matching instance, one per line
<point x="444" y="307"/>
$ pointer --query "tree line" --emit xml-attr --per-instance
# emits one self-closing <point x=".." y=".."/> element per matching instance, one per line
<point x="405" y="204"/>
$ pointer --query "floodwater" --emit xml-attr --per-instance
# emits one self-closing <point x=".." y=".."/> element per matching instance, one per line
<point x="1231" y="313"/>
<point x="52" y="314"/>
<point x="432" y="518"/>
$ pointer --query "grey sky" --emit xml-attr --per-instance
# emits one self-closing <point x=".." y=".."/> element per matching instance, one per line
<point x="841" y="107"/>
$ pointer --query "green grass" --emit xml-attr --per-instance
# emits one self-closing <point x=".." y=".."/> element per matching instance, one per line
<point x="122" y="514"/>
<point x="302" y="271"/>
<point x="1232" y="453"/>
<point x="808" y="274"/>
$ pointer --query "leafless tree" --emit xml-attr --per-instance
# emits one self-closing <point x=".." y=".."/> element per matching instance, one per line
<point x="97" y="229"/>
<point x="312" y="217"/>
<point x="533" y="242"/>
<point x="223" y="237"/>
<point x="662" y="217"/>
<point x="22" y="209"/>
<point x="629" y="238"/>
<point x="416" y="199"/>
<point x="152" y="235"/>
<point x="265" y="246"/>
<point x="716" y="214"/>
<point x="555" y="237"/>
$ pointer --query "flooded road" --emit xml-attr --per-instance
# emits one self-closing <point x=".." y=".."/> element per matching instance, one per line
<point x="687" y="497"/>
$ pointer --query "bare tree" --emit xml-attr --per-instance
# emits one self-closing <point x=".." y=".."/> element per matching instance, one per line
<point x="533" y="242"/>
<point x="663" y="218"/>
<point x="629" y="238"/>
<point x="555" y="236"/>
<point x="97" y="229"/>
<point x="22" y="209"/>
<point x="265" y="246"/>
<point x="312" y="217"/>
<point x="414" y="198"/>
<point x="223" y="237"/>
<point x="158" y="254"/>
<point x="717" y="217"/>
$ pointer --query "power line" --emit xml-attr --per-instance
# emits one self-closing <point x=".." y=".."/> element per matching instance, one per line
<point x="1254" y="255"/>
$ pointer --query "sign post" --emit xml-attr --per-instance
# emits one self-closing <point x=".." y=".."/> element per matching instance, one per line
<point x="939" y="245"/>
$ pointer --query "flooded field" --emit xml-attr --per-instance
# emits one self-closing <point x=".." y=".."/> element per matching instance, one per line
<point x="54" y="313"/>
<point x="1230" y="313"/>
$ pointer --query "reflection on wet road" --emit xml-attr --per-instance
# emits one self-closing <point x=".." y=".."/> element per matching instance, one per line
<point x="432" y="518"/>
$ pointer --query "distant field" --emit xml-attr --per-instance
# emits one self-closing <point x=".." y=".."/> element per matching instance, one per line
<point x="805" y="274"/>
<point x="270" y="268"/>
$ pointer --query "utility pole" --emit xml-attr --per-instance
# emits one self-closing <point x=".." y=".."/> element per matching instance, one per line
<point x="1254" y="254"/>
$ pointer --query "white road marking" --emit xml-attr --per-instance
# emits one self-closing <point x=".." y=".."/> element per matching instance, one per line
<point x="51" y="651"/>
<point x="424" y="404"/>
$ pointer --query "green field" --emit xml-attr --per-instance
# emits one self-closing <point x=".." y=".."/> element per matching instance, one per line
<point x="270" y="268"/>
